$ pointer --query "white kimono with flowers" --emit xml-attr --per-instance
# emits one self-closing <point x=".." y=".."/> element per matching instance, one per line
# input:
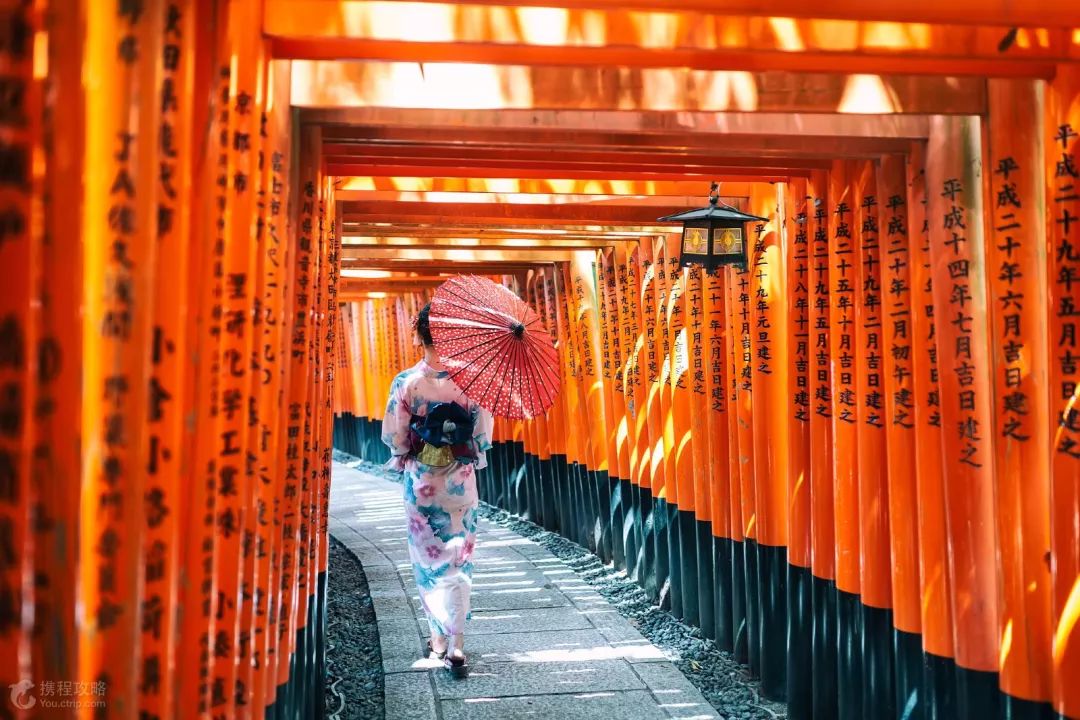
<point x="440" y="502"/>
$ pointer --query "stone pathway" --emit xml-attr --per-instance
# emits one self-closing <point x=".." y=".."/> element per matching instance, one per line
<point x="541" y="642"/>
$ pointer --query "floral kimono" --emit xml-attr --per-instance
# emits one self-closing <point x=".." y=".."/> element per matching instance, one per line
<point x="440" y="502"/>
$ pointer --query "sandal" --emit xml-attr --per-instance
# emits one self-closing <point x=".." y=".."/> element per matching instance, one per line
<point x="457" y="666"/>
<point x="431" y="651"/>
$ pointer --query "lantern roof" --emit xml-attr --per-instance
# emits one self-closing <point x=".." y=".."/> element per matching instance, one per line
<point x="714" y="211"/>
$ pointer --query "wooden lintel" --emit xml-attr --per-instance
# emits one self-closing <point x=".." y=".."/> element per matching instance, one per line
<point x="1008" y="13"/>
<point x="467" y="243"/>
<point x="453" y="255"/>
<point x="438" y="266"/>
<point x="568" y="172"/>
<point x="446" y="213"/>
<point x="422" y="128"/>
<point x="449" y="152"/>
<point x="747" y="59"/>
<point x="602" y="89"/>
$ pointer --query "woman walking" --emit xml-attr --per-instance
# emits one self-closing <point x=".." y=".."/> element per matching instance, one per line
<point x="438" y="439"/>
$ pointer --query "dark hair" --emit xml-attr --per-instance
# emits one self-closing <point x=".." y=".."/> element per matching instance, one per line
<point x="423" y="326"/>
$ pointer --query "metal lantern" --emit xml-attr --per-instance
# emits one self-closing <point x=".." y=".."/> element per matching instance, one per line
<point x="714" y="236"/>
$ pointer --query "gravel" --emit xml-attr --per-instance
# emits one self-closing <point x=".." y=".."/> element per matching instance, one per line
<point x="354" y="672"/>
<point x="724" y="682"/>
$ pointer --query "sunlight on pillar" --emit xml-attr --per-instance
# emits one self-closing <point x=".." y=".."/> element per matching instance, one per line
<point x="787" y="34"/>
<point x="1006" y="643"/>
<point x="397" y="21"/>
<point x="656" y="30"/>
<point x="895" y="36"/>
<point x="727" y="90"/>
<point x="365" y="274"/>
<point x="437" y="86"/>
<point x="543" y="25"/>
<point x="867" y="94"/>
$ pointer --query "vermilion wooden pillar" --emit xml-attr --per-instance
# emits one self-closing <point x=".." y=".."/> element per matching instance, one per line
<point x="683" y="531"/>
<point x="166" y="468"/>
<point x="59" y="363"/>
<point x="939" y="697"/>
<point x="20" y="298"/>
<point x="822" y="521"/>
<point x="800" y="667"/>
<point x="961" y="311"/>
<point x="875" y="577"/>
<point x="771" y="406"/>
<point x="1062" y="147"/>
<point x="698" y="432"/>
<point x="843" y="268"/>
<point x="636" y="423"/>
<point x="119" y="232"/>
<point x="667" y="508"/>
<point x="717" y="381"/>
<point x="1016" y="269"/>
<point x="898" y="350"/>
<point x="741" y="429"/>
<point x="656" y="552"/>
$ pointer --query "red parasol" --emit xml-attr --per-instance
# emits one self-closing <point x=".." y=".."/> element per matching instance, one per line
<point x="495" y="347"/>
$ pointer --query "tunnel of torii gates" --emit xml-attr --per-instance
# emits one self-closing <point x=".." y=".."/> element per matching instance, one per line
<point x="855" y="464"/>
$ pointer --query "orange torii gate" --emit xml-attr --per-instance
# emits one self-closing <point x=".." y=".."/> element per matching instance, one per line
<point x="855" y="464"/>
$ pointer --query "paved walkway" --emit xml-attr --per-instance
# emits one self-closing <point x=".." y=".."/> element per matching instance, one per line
<point x="541" y="642"/>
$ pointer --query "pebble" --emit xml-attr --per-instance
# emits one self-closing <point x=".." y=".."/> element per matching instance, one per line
<point x="354" y="673"/>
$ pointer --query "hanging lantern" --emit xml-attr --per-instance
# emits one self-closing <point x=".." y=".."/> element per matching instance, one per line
<point x="714" y="236"/>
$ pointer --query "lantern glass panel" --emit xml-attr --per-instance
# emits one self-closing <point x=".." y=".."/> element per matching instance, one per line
<point x="696" y="240"/>
<point x="727" y="241"/>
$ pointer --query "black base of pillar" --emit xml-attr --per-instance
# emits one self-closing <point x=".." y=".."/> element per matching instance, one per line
<point x="617" y="513"/>
<point x="601" y="483"/>
<point x="850" y="674"/>
<point x="772" y="603"/>
<point x="686" y="526"/>
<point x="631" y="531"/>
<point x="826" y="646"/>
<point x="739" y="625"/>
<point x="978" y="694"/>
<point x="907" y="650"/>
<point x="706" y="577"/>
<point x="648" y="572"/>
<point x="753" y="608"/>
<point x="879" y="689"/>
<point x="662" y="539"/>
<point x="674" y="545"/>
<point x="800" y="633"/>
<point x="722" y="610"/>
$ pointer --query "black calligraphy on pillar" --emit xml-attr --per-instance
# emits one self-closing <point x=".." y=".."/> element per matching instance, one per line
<point x="897" y="274"/>
<point x="714" y="290"/>
<point x="587" y="360"/>
<point x="842" y="293"/>
<point x="820" y="310"/>
<point x="616" y="279"/>
<point x="632" y="330"/>
<point x="695" y="331"/>
<point x="762" y="318"/>
<point x="648" y="309"/>
<point x="678" y="353"/>
<point x="747" y="356"/>
<point x="873" y="405"/>
<point x="1065" y="275"/>
<point x="605" y="335"/>
<point x="1014" y="401"/>
<point x="962" y="317"/>
<point x="800" y="317"/>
